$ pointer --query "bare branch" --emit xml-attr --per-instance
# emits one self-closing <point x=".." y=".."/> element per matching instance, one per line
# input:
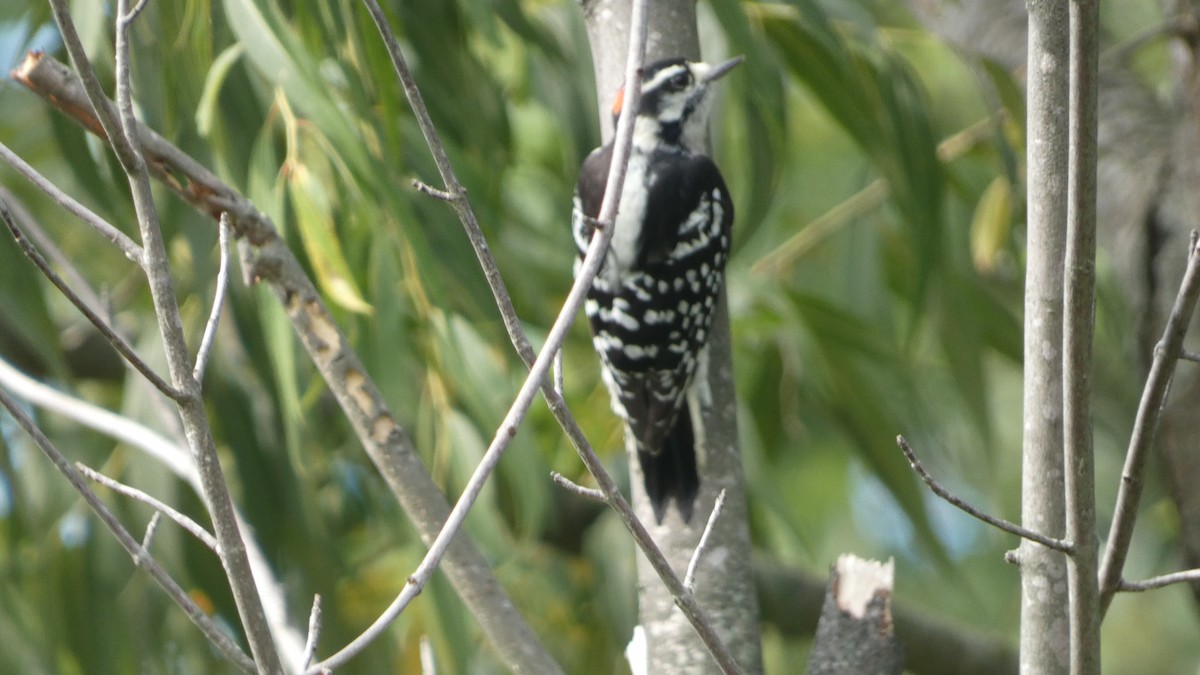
<point x="151" y="527"/>
<point x="47" y="246"/>
<point x="96" y="320"/>
<point x="133" y="14"/>
<point x="428" y="189"/>
<point x="128" y="246"/>
<point x="1184" y="577"/>
<point x="98" y="303"/>
<point x="94" y="417"/>
<point x="314" y="633"/>
<point x="572" y="486"/>
<point x="1011" y="528"/>
<point x="105" y="115"/>
<point x="266" y="258"/>
<point x="454" y="193"/>
<point x="196" y="529"/>
<point x="141" y="557"/>
<point x="689" y="579"/>
<point x="210" y="329"/>
<point x="1145" y="426"/>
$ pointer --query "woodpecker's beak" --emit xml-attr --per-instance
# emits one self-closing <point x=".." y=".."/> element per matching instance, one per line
<point x="720" y="69"/>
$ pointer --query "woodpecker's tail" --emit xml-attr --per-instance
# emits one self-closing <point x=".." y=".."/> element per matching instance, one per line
<point x="670" y="473"/>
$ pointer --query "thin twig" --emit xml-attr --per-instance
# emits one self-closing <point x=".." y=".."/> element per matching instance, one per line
<point x="123" y="429"/>
<point x="106" y="116"/>
<point x="95" y="319"/>
<point x="196" y="529"/>
<point x="1184" y="577"/>
<point x="47" y="246"/>
<point x="1011" y="528"/>
<point x="454" y="192"/>
<point x="426" y="188"/>
<point x="689" y="579"/>
<point x="314" y="632"/>
<point x="101" y="305"/>
<point x="572" y="486"/>
<point x="132" y="16"/>
<point x="210" y="329"/>
<point x="128" y="246"/>
<point x="140" y="556"/>
<point x="151" y="528"/>
<point x="1145" y="427"/>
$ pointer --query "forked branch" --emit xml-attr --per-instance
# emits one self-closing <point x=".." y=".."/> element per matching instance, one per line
<point x="957" y="502"/>
<point x="1145" y="426"/>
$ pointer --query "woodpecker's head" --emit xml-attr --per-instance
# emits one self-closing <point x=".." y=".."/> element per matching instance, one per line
<point x="674" y="105"/>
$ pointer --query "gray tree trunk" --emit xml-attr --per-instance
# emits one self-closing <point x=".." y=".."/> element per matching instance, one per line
<point x="1044" y="621"/>
<point x="724" y="579"/>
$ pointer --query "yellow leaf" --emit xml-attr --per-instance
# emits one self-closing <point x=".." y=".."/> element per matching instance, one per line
<point x="991" y="224"/>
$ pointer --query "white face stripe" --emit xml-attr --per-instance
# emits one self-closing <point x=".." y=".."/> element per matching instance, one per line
<point x="662" y="76"/>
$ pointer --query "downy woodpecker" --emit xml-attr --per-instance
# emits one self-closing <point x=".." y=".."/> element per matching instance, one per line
<point x="651" y="305"/>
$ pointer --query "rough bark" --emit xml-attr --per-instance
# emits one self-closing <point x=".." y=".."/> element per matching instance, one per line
<point x="855" y="635"/>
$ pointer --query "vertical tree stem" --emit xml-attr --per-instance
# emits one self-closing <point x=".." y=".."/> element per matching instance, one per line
<point x="1079" y="305"/>
<point x="1044" y="635"/>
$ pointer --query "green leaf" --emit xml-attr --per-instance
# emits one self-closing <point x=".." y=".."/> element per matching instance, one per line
<point x="311" y="202"/>
<point x="871" y="92"/>
<point x="206" y="111"/>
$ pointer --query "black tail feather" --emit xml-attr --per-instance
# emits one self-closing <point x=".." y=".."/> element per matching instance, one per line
<point x="670" y="473"/>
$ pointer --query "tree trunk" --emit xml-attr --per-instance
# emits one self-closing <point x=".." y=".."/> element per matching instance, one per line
<point x="855" y="635"/>
<point x="724" y="579"/>
<point x="1044" y="621"/>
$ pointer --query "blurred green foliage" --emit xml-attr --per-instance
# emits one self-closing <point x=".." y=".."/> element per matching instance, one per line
<point x="875" y="289"/>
